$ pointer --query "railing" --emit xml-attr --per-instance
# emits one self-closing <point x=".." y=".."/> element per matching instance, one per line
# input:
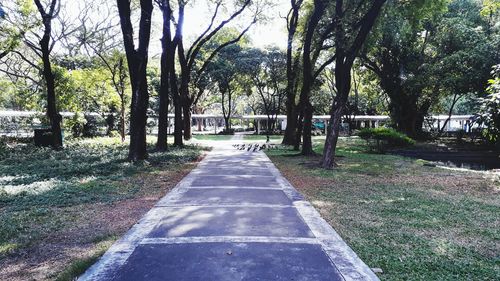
<point x="23" y="123"/>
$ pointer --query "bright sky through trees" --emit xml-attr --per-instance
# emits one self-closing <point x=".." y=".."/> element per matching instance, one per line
<point x="271" y="31"/>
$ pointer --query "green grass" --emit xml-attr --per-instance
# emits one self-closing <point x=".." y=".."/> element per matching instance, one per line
<point x="79" y="266"/>
<point x="40" y="188"/>
<point x="414" y="222"/>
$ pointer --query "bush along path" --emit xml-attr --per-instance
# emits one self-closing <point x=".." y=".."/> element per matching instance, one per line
<point x="234" y="217"/>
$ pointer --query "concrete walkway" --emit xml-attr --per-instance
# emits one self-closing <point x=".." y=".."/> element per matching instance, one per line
<point x="232" y="218"/>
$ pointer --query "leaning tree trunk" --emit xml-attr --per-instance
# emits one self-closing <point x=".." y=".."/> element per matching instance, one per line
<point x="344" y="59"/>
<point x="332" y="136"/>
<point x="343" y="85"/>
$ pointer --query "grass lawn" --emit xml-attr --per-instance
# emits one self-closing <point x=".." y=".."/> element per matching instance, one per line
<point x="60" y="210"/>
<point x="413" y="221"/>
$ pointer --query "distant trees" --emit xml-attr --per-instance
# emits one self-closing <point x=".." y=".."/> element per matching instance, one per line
<point x="333" y="32"/>
<point x="100" y="37"/>
<point x="193" y="62"/>
<point x="270" y="82"/>
<point x="229" y="71"/>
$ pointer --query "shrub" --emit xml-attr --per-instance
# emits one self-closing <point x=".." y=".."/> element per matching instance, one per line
<point x="489" y="113"/>
<point x="91" y="128"/>
<point x="381" y="138"/>
<point x="227" y="132"/>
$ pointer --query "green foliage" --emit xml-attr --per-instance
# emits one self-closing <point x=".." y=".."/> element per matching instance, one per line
<point x="382" y="138"/>
<point x="425" y="51"/>
<point x="490" y="8"/>
<point x="17" y="18"/>
<point x="489" y="113"/>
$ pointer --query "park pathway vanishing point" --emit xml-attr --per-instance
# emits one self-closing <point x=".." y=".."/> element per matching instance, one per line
<point x="234" y="217"/>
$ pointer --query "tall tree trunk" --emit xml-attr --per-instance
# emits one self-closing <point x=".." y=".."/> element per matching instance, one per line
<point x="177" y="105"/>
<point x="178" y="122"/>
<point x="161" y="143"/>
<point x="332" y="136"/>
<point x="52" y="113"/>
<point x="291" y="108"/>
<point x="176" y="90"/>
<point x="186" y="109"/>
<point x="137" y="62"/>
<point x="166" y="43"/>
<point x="291" y="122"/>
<point x="307" y="148"/>
<point x="122" y="117"/>
<point x="300" y="125"/>
<point x="307" y="76"/>
<point x="404" y="112"/>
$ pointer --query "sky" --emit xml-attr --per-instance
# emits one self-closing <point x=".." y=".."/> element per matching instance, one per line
<point x="271" y="32"/>
<point x="198" y="13"/>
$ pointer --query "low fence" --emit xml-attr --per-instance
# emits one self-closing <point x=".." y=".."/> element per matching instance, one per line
<point x="23" y="123"/>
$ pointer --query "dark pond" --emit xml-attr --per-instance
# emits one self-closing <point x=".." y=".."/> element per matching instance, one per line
<point x="473" y="160"/>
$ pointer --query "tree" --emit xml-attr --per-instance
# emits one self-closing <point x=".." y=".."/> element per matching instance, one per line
<point x="269" y="78"/>
<point x="100" y="37"/>
<point x="137" y="60"/>
<point x="489" y="113"/>
<point x="352" y="23"/>
<point x="39" y="38"/>
<point x="424" y="51"/>
<point x="45" y="48"/>
<point x="167" y="65"/>
<point x="292" y="71"/>
<point x="465" y="43"/>
<point x="188" y="59"/>
<point x="230" y="70"/>
<point x="309" y="57"/>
